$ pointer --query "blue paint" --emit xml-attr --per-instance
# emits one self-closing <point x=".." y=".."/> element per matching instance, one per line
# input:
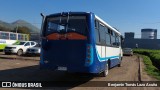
<point x="73" y="53"/>
<point x="89" y="54"/>
<point x="114" y="60"/>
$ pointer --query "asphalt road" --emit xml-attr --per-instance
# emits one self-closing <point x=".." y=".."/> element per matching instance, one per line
<point x="28" y="70"/>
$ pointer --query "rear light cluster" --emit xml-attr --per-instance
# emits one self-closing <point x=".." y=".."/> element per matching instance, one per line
<point x="89" y="55"/>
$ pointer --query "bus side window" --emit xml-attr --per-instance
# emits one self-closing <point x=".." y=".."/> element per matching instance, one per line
<point x="113" y="38"/>
<point x="108" y="38"/>
<point x="102" y="35"/>
<point x="12" y="36"/>
<point x="97" y="32"/>
<point x="96" y="24"/>
<point x="117" y="40"/>
<point x="5" y="35"/>
<point x="20" y="37"/>
<point x="25" y="37"/>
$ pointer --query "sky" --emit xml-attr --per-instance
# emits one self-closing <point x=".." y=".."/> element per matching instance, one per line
<point x="125" y="15"/>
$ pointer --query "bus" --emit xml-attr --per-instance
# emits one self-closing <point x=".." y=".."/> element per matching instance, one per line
<point x="8" y="38"/>
<point x="79" y="42"/>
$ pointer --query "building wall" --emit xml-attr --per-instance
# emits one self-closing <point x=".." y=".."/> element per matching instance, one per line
<point x="35" y="37"/>
<point x="129" y="35"/>
<point x="142" y="43"/>
<point x="149" y="33"/>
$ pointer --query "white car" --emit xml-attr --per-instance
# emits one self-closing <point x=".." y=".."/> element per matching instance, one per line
<point x="36" y="50"/>
<point x="19" y="48"/>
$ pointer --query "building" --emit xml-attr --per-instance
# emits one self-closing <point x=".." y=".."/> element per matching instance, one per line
<point x="149" y="33"/>
<point x="129" y="35"/>
<point x="35" y="37"/>
<point x="143" y="42"/>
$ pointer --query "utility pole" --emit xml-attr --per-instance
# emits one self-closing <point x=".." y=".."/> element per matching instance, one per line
<point x="17" y="28"/>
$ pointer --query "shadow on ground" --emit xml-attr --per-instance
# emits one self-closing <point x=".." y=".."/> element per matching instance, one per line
<point x="33" y="73"/>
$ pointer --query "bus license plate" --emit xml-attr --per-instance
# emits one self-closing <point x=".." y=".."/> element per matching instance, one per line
<point x="62" y="68"/>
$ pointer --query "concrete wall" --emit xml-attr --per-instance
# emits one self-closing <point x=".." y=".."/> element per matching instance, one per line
<point x="142" y="43"/>
<point x="149" y="33"/>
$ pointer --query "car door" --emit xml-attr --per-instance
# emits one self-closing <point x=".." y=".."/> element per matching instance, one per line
<point x="33" y="44"/>
<point x="26" y="46"/>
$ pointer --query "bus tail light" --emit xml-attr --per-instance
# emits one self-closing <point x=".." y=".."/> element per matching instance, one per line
<point x="89" y="55"/>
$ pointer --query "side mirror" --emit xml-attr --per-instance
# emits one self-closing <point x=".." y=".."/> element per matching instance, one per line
<point x="43" y="16"/>
<point x="122" y="41"/>
<point x="43" y="19"/>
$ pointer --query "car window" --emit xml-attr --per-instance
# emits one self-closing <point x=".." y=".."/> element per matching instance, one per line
<point x="128" y="49"/>
<point x="19" y="43"/>
<point x="37" y="45"/>
<point x="32" y="43"/>
<point x="27" y="44"/>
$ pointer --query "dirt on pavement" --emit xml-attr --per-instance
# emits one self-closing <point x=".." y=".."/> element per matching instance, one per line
<point x="28" y="70"/>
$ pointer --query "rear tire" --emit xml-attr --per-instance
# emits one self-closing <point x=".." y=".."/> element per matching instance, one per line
<point x="20" y="52"/>
<point x="105" y="72"/>
<point x="119" y="65"/>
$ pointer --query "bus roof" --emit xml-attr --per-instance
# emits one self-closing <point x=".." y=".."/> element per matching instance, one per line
<point x="66" y="13"/>
<point x="98" y="18"/>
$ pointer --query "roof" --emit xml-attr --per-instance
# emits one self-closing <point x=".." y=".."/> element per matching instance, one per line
<point x="148" y="30"/>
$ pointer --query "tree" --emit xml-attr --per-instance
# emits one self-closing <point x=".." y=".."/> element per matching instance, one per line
<point x="23" y="30"/>
<point x="4" y="29"/>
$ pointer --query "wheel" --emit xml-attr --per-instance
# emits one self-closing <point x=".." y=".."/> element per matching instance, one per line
<point x="20" y="52"/>
<point x="119" y="65"/>
<point x="105" y="72"/>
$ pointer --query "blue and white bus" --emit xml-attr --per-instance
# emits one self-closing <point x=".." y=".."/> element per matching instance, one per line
<point x="79" y="42"/>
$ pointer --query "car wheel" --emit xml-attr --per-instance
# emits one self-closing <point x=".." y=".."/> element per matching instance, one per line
<point x="20" y="52"/>
<point x="105" y="72"/>
<point x="119" y="65"/>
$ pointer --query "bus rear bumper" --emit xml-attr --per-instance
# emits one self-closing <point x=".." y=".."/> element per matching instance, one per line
<point x="71" y="69"/>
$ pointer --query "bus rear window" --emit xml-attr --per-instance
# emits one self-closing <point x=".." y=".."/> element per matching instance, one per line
<point x="66" y="24"/>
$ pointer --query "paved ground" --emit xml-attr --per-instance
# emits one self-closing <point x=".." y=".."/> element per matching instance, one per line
<point x="28" y="70"/>
<point x="24" y="57"/>
<point x="12" y="69"/>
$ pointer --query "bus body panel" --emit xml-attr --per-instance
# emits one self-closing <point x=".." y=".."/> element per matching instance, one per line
<point x="67" y="53"/>
<point x="105" y="53"/>
<point x="73" y="53"/>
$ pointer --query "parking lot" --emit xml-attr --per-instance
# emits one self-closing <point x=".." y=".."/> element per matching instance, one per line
<point x="16" y="57"/>
<point x="27" y="69"/>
